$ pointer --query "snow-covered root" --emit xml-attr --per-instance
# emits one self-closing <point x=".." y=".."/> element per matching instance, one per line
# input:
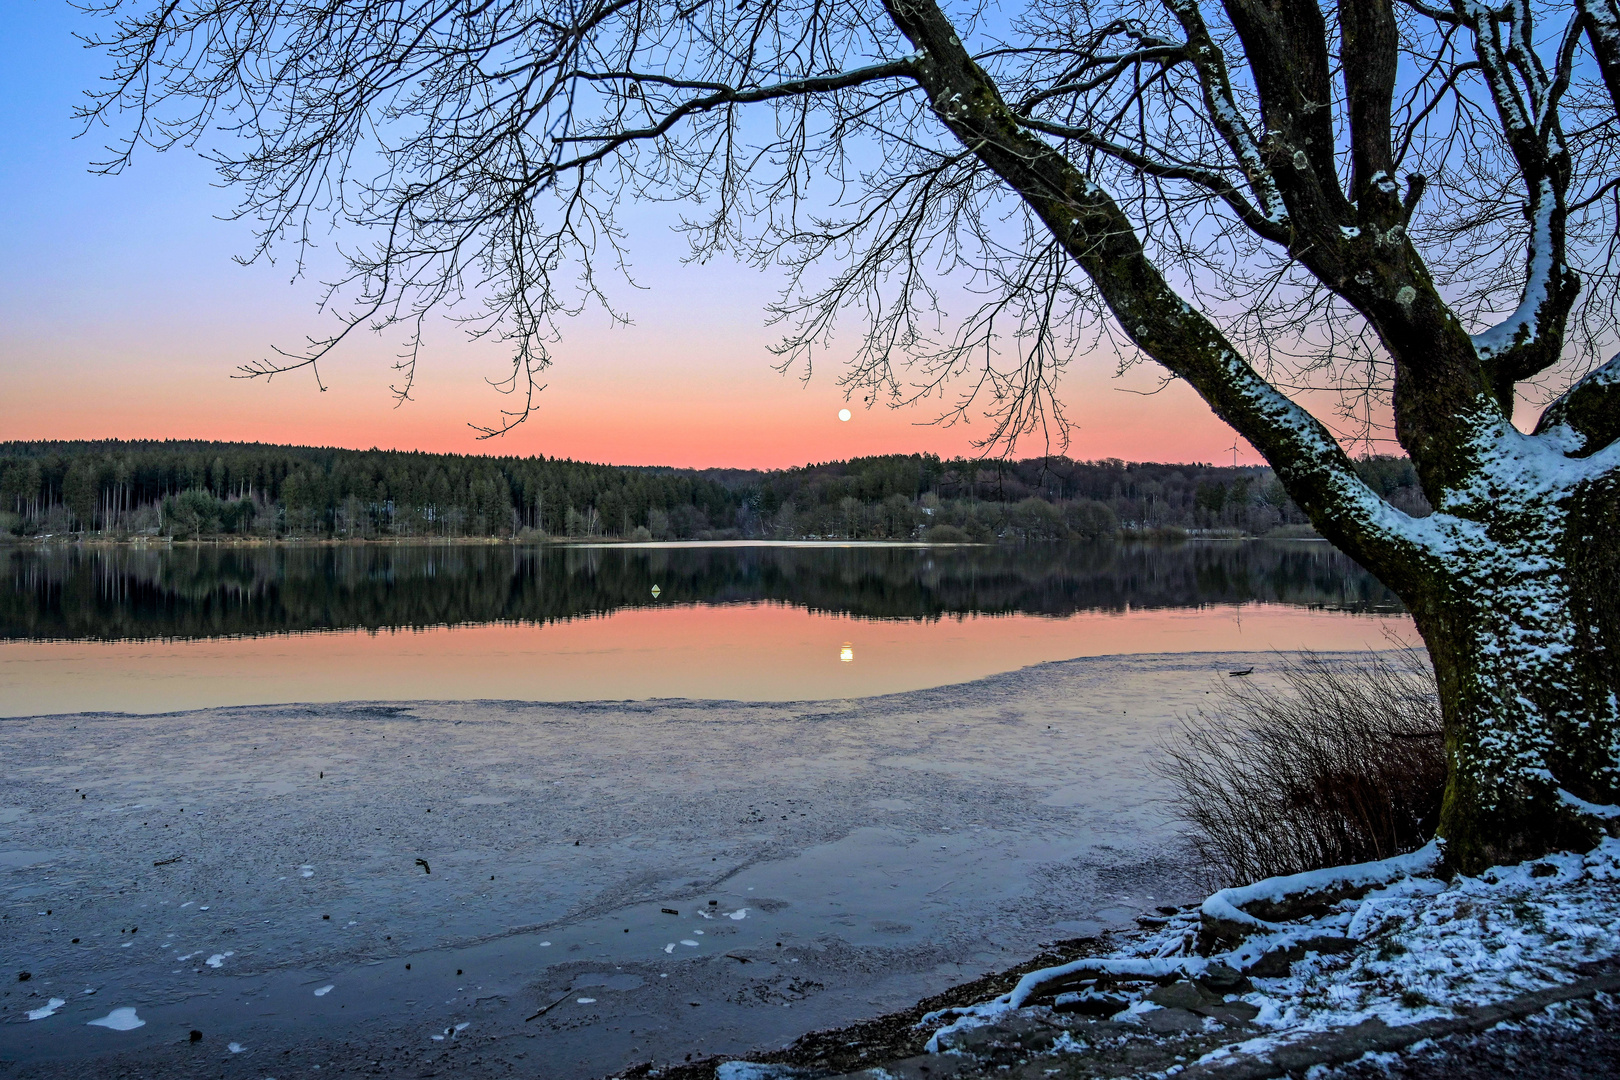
<point x="1386" y="941"/>
<point x="1225" y="916"/>
<point x="972" y="1016"/>
<point x="1223" y="919"/>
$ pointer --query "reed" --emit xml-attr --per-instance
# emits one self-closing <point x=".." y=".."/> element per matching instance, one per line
<point x="1323" y="762"/>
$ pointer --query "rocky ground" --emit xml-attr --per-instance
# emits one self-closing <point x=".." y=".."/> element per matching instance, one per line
<point x="1572" y="1033"/>
<point x="1576" y="1040"/>
<point x="1573" y="1037"/>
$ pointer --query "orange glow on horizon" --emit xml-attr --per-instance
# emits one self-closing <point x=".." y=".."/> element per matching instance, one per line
<point x="749" y="652"/>
<point x="736" y="414"/>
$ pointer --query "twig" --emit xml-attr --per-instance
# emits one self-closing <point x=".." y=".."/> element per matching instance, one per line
<point x="548" y="1008"/>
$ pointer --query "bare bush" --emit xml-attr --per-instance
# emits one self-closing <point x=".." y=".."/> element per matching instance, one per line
<point x="1338" y="762"/>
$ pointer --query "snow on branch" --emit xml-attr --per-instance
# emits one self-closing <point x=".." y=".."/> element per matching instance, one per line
<point x="1610" y="814"/>
<point x="1541" y="282"/>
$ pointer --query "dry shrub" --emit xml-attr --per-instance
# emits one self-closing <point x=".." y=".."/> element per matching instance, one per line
<point x="1339" y="762"/>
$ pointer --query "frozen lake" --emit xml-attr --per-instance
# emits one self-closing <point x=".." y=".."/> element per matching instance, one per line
<point x="669" y="877"/>
<point x="160" y="629"/>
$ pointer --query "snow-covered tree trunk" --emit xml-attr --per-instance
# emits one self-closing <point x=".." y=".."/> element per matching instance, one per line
<point x="1517" y="613"/>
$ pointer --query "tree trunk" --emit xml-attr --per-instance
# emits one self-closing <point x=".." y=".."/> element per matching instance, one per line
<point x="1521" y="627"/>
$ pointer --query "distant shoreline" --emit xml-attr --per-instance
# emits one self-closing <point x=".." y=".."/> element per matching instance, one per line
<point x="97" y="541"/>
<point x="206" y="490"/>
<point x="466" y="541"/>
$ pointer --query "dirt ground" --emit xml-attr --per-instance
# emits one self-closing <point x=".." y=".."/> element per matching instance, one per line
<point x="1580" y="1041"/>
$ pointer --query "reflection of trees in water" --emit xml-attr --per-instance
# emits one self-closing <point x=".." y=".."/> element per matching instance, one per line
<point x="104" y="593"/>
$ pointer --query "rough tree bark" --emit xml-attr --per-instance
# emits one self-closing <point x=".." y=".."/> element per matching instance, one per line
<point x="1513" y="581"/>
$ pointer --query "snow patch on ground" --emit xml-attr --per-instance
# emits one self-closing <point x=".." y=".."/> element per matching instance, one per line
<point x="1424" y="948"/>
<point x="752" y="1070"/>
<point x="1428" y="953"/>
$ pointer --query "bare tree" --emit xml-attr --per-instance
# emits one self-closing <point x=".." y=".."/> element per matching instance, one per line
<point x="1411" y="202"/>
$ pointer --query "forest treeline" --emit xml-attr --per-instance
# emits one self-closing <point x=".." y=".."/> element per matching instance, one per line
<point x="206" y="489"/>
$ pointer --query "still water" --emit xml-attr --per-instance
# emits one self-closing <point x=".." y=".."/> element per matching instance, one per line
<point x="157" y="629"/>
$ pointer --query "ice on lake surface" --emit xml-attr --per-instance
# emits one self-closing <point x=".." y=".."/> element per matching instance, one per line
<point x="48" y="1009"/>
<point x="123" y="1019"/>
<point x="162" y="629"/>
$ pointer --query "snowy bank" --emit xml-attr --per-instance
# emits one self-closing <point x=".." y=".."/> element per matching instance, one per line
<point x="1339" y="968"/>
<point x="1388" y="948"/>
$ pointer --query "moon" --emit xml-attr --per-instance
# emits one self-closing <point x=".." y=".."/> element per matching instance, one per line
<point x="843" y="414"/>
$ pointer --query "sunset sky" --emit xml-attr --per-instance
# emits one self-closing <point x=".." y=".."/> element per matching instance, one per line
<point x="122" y="315"/>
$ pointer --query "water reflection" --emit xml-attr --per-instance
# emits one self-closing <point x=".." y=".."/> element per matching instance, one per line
<point x="72" y="593"/>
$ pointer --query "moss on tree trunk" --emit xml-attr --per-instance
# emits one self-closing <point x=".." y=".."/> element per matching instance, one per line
<point x="1519" y="634"/>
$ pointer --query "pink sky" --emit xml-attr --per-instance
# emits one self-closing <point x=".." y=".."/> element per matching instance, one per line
<point x="123" y="316"/>
<point x="132" y="327"/>
<point x="624" y="400"/>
